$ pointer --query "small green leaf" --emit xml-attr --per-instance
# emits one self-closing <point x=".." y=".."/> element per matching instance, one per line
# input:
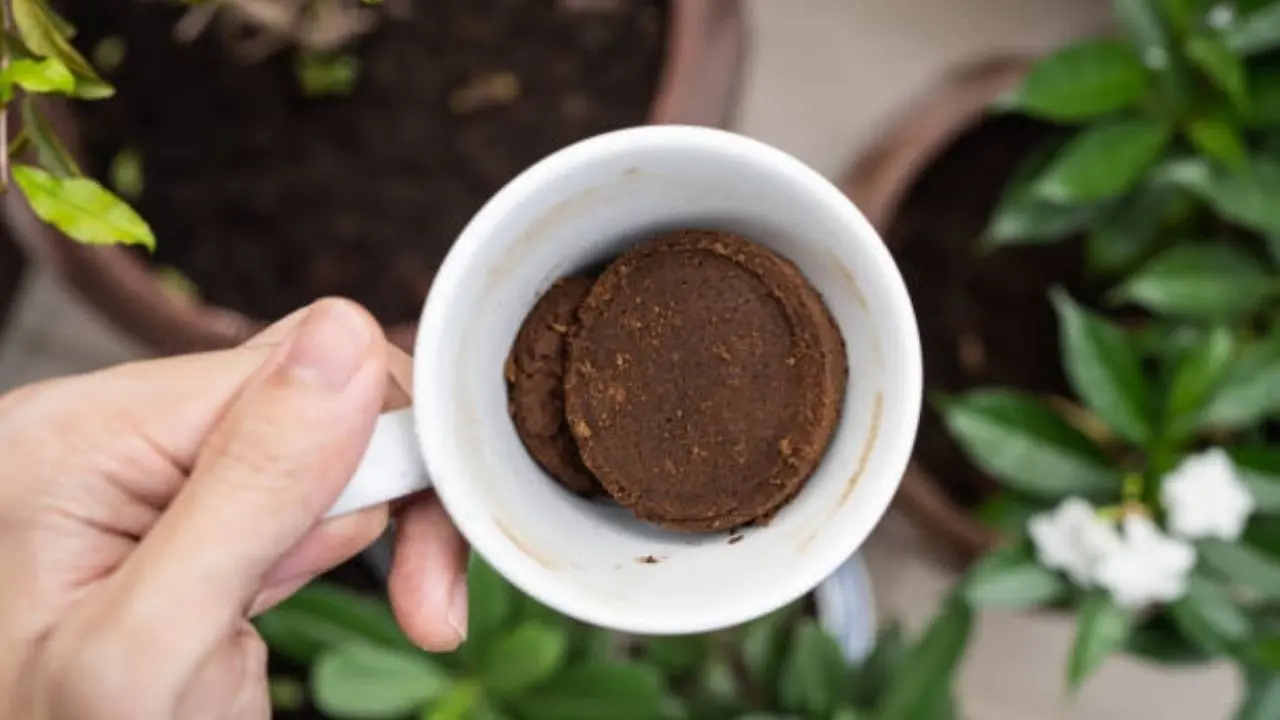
<point x="677" y="654"/>
<point x="287" y="694"/>
<point x="1104" y="161"/>
<point x="83" y="209"/>
<point x="1103" y="629"/>
<point x="618" y="691"/>
<point x="38" y="76"/>
<point x="1103" y="368"/>
<point x="1028" y="447"/>
<point x="1246" y="198"/>
<point x="1010" y="578"/>
<point x="50" y="152"/>
<point x="362" y="682"/>
<point x="814" y="674"/>
<point x="1196" y="376"/>
<point x="1249" y="391"/>
<point x="719" y="692"/>
<point x="1023" y="218"/>
<point x="1197" y="281"/>
<point x="887" y="658"/>
<point x="460" y="703"/>
<point x="44" y="34"/>
<point x="1223" y="67"/>
<point x="932" y="665"/>
<point x="1129" y="231"/>
<point x="1160" y="641"/>
<point x="848" y="713"/>
<point x="763" y="644"/>
<point x="1209" y="618"/>
<point x="1219" y="141"/>
<point x="1259" y="468"/>
<point x="1256" y="32"/>
<point x="1006" y="513"/>
<point x="1242" y="567"/>
<point x="1262" y="698"/>
<point x="490" y="600"/>
<point x="1081" y="82"/>
<point x="525" y="657"/>
<point x="324" y="615"/>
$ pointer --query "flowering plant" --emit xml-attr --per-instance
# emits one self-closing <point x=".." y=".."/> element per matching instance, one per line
<point x="1150" y="505"/>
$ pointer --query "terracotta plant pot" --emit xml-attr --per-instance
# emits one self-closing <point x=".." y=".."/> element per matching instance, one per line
<point x="705" y="42"/>
<point x="879" y="183"/>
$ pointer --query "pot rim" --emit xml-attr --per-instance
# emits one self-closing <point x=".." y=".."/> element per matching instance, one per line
<point x="878" y="183"/>
<point x="698" y="84"/>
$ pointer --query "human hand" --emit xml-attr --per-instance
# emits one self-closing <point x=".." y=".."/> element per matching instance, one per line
<point x="149" y="510"/>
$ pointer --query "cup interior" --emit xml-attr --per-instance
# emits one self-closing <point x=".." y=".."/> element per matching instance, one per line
<point x="577" y="209"/>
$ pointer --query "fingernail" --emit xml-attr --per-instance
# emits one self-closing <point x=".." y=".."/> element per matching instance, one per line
<point x="330" y="345"/>
<point x="457" y="615"/>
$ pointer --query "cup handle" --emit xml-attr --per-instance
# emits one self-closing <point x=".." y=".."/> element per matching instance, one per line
<point x="391" y="468"/>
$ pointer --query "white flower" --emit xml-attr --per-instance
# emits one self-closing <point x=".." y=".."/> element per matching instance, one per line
<point x="1204" y="497"/>
<point x="1148" y="567"/>
<point x="1073" y="538"/>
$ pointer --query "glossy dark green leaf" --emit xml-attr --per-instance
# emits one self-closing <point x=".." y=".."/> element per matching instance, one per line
<point x="1011" y="578"/>
<point x="1259" y="468"/>
<point x="931" y="665"/>
<point x="869" y="680"/>
<point x="1262" y="698"/>
<point x="1125" y="234"/>
<point x="1243" y="567"/>
<point x="364" y="682"/>
<point x="1023" y="218"/>
<point x="1255" y="32"/>
<point x="814" y="676"/>
<point x="528" y="655"/>
<point x="1218" y="140"/>
<point x="1196" y="376"/>
<point x="1103" y="161"/>
<point x="1197" y="281"/>
<point x="1081" y="82"/>
<point x="325" y="615"/>
<point x="1246" y="198"/>
<point x="1207" y="615"/>
<point x="1250" y="389"/>
<point x="1027" y="446"/>
<point x="1102" y="629"/>
<point x="1223" y="67"/>
<point x="1103" y="367"/>
<point x="618" y="691"/>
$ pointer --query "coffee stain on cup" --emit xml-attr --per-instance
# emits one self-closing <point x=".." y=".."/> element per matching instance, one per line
<point x="873" y="433"/>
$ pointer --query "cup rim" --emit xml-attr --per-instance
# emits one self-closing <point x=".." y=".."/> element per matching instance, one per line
<point x="444" y="461"/>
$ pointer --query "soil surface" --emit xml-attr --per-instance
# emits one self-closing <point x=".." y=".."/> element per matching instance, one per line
<point x="984" y="319"/>
<point x="704" y="380"/>
<point x="268" y="197"/>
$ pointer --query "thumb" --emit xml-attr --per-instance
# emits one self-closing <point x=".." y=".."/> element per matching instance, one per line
<point x="266" y="474"/>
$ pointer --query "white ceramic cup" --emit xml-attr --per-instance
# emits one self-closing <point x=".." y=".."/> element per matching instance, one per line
<point x="576" y="208"/>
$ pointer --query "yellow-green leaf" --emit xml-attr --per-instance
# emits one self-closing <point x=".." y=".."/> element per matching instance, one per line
<point x="45" y="35"/>
<point x="1222" y="66"/>
<point x="39" y="76"/>
<point x="82" y="209"/>
<point x="1218" y="140"/>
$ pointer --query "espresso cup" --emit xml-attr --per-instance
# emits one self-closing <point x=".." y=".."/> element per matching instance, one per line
<point x="593" y="560"/>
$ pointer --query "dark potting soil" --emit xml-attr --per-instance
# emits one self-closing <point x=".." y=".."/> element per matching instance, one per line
<point x="267" y="198"/>
<point x="985" y="319"/>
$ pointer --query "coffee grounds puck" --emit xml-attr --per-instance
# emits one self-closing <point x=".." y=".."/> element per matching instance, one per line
<point x="705" y="379"/>
<point x="535" y="379"/>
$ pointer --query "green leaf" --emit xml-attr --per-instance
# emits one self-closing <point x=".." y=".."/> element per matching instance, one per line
<point x="848" y="713"/>
<point x="491" y="604"/>
<point x="1081" y="82"/>
<point x="460" y="703"/>
<point x="1010" y="578"/>
<point x="1103" y="629"/>
<point x="1154" y="43"/>
<point x="618" y="691"/>
<point x="1223" y="67"/>
<point x="815" y="672"/>
<point x="1219" y="141"/>
<point x="525" y="657"/>
<point x="1126" y="233"/>
<point x="931" y="664"/>
<point x="1245" y="198"/>
<point x="1254" y="33"/>
<point x="1250" y="390"/>
<point x="1023" y="218"/>
<point x="1209" y="618"/>
<point x="1160" y="641"/>
<point x="1006" y="513"/>
<point x="867" y="685"/>
<point x="38" y="76"/>
<point x="1197" y="281"/>
<point x="363" y="682"/>
<point x="1103" y="368"/>
<point x="719" y="693"/>
<point x="763" y="645"/>
<point x="1264" y="96"/>
<point x="50" y="152"/>
<point x="1196" y="376"/>
<point x="1259" y="468"/>
<point x="675" y="655"/>
<point x="287" y="694"/>
<point x="1104" y="161"/>
<point x="43" y="32"/>
<point x="324" y="615"/>
<point x="1028" y="447"/>
<point x="1242" y="567"/>
<point x="1262" y="698"/>
<point x="82" y="209"/>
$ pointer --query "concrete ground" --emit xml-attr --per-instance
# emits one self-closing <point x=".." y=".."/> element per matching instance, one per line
<point x="823" y="78"/>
